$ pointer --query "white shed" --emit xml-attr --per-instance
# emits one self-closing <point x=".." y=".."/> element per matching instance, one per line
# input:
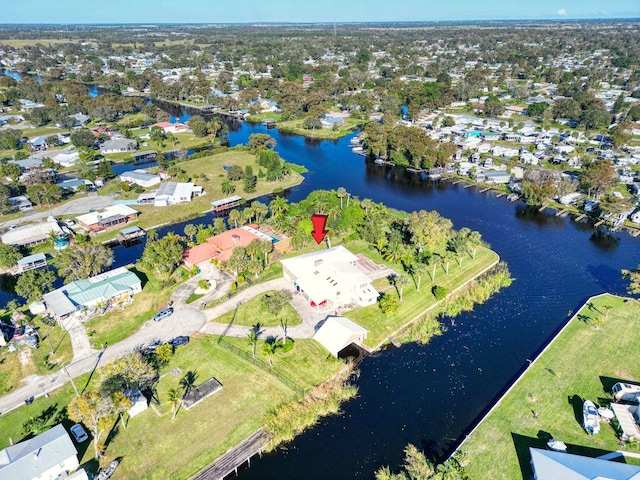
<point x="337" y="333"/>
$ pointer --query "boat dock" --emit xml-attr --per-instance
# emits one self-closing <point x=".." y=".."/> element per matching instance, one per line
<point x="226" y="203"/>
<point x="236" y="457"/>
<point x="394" y="342"/>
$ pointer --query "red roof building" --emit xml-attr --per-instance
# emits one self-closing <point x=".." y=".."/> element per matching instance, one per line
<point x="221" y="246"/>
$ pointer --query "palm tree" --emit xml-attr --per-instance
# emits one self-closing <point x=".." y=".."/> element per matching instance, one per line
<point x="278" y="207"/>
<point x="433" y="262"/>
<point x="394" y="252"/>
<point x="366" y="203"/>
<point x="447" y="256"/>
<point x="400" y="282"/>
<point x="189" y="380"/>
<point x="190" y="231"/>
<point x="252" y="336"/>
<point x="475" y="239"/>
<point x="260" y="211"/>
<point x="227" y="187"/>
<point x="269" y="348"/>
<point x="174" y="396"/>
<point x="341" y="193"/>
<point x="234" y="216"/>
<point x="419" y="270"/>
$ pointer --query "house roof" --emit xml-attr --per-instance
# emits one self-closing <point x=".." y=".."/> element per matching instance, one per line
<point x="550" y="465"/>
<point x="118" y="144"/>
<point x="30" y="233"/>
<point x="221" y="246"/>
<point x="29" y="259"/>
<point x="33" y="457"/>
<point x="139" y="175"/>
<point x="175" y="189"/>
<point x="92" y="218"/>
<point x="84" y="292"/>
<point x="336" y="333"/>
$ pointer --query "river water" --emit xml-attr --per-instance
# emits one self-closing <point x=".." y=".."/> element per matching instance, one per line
<point x="432" y="395"/>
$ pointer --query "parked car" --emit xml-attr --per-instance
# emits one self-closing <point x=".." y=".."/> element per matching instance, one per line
<point x="179" y="341"/>
<point x="69" y="223"/>
<point x="163" y="314"/>
<point x="78" y="433"/>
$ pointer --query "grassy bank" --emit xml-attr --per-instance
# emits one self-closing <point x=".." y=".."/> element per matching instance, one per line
<point x="416" y="302"/>
<point x="295" y="126"/>
<point x="595" y="350"/>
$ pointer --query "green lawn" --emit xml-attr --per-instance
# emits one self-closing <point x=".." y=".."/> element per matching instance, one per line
<point x="416" y="302"/>
<point x="258" y="117"/>
<point x="587" y="355"/>
<point x="117" y="325"/>
<point x="153" y="445"/>
<point x="253" y="312"/>
<point x="295" y="126"/>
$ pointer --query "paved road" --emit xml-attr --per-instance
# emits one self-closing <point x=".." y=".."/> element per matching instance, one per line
<point x="185" y="321"/>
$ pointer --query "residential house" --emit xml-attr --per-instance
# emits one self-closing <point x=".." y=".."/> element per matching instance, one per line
<point x="30" y="235"/>
<point x="109" y="217"/>
<point x="220" y="247"/>
<point x="106" y="290"/>
<point x="28" y="104"/>
<point x="328" y="121"/>
<point x="48" y="456"/>
<point x="66" y="159"/>
<point x="329" y="278"/>
<point x="264" y="106"/>
<point x="140" y="177"/>
<point x="21" y="203"/>
<point x="169" y="127"/>
<point x="31" y="262"/>
<point x="118" y="145"/>
<point x="176" y="192"/>
<point x="498" y="177"/>
<point x="337" y="333"/>
<point x="551" y="465"/>
<point x="74" y="184"/>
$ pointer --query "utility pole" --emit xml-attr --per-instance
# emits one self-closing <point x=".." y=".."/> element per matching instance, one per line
<point x="64" y="369"/>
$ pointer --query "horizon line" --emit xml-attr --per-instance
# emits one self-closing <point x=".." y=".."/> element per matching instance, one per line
<point x="345" y="22"/>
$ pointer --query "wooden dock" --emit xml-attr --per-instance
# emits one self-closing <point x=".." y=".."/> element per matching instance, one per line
<point x="636" y="233"/>
<point x="394" y="342"/>
<point x="542" y="208"/>
<point x="486" y="189"/>
<point x="468" y="185"/>
<point x="599" y="223"/>
<point x="577" y="219"/>
<point x="562" y="212"/>
<point x="500" y="194"/>
<point x="235" y="457"/>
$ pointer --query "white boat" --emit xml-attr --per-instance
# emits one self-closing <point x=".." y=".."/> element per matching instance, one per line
<point x="606" y="413"/>
<point x="556" y="445"/>
<point x="590" y="418"/>
<point x="108" y="471"/>
<point x="355" y="140"/>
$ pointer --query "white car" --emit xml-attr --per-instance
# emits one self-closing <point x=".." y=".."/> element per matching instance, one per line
<point x="69" y="223"/>
<point x="78" y="433"/>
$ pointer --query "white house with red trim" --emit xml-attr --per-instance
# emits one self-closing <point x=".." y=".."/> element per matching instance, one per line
<point x="169" y="127"/>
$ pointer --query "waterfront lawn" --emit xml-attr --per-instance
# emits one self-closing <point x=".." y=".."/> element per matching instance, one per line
<point x="258" y="117"/>
<point x="117" y="325"/>
<point x="415" y="303"/>
<point x="253" y="312"/>
<point x="307" y="364"/>
<point x="583" y="362"/>
<point x="218" y="422"/>
<point x="208" y="172"/>
<point x="295" y="126"/>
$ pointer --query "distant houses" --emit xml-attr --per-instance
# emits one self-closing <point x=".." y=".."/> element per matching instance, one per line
<point x="118" y="145"/>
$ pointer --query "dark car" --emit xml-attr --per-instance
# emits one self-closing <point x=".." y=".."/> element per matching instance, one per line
<point x="163" y="314"/>
<point x="179" y="341"/>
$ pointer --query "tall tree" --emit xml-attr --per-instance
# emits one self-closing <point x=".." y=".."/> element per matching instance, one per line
<point x="190" y="231"/>
<point x="174" y="396"/>
<point x="97" y="412"/>
<point x="164" y="255"/>
<point x="83" y="261"/>
<point x="32" y="284"/>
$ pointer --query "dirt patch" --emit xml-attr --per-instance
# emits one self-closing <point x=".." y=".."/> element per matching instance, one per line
<point x="25" y="356"/>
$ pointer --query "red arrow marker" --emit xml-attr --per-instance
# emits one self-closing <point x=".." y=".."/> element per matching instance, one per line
<point x="319" y="221"/>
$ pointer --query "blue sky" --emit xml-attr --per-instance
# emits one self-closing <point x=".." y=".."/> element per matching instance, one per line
<point x="240" y="11"/>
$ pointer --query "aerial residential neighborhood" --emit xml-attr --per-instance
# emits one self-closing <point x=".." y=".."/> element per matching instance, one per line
<point x="405" y="240"/>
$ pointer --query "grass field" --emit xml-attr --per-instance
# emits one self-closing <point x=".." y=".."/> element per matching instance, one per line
<point x="253" y="311"/>
<point x="594" y="351"/>
<point x="414" y="302"/>
<point x="178" y="449"/>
